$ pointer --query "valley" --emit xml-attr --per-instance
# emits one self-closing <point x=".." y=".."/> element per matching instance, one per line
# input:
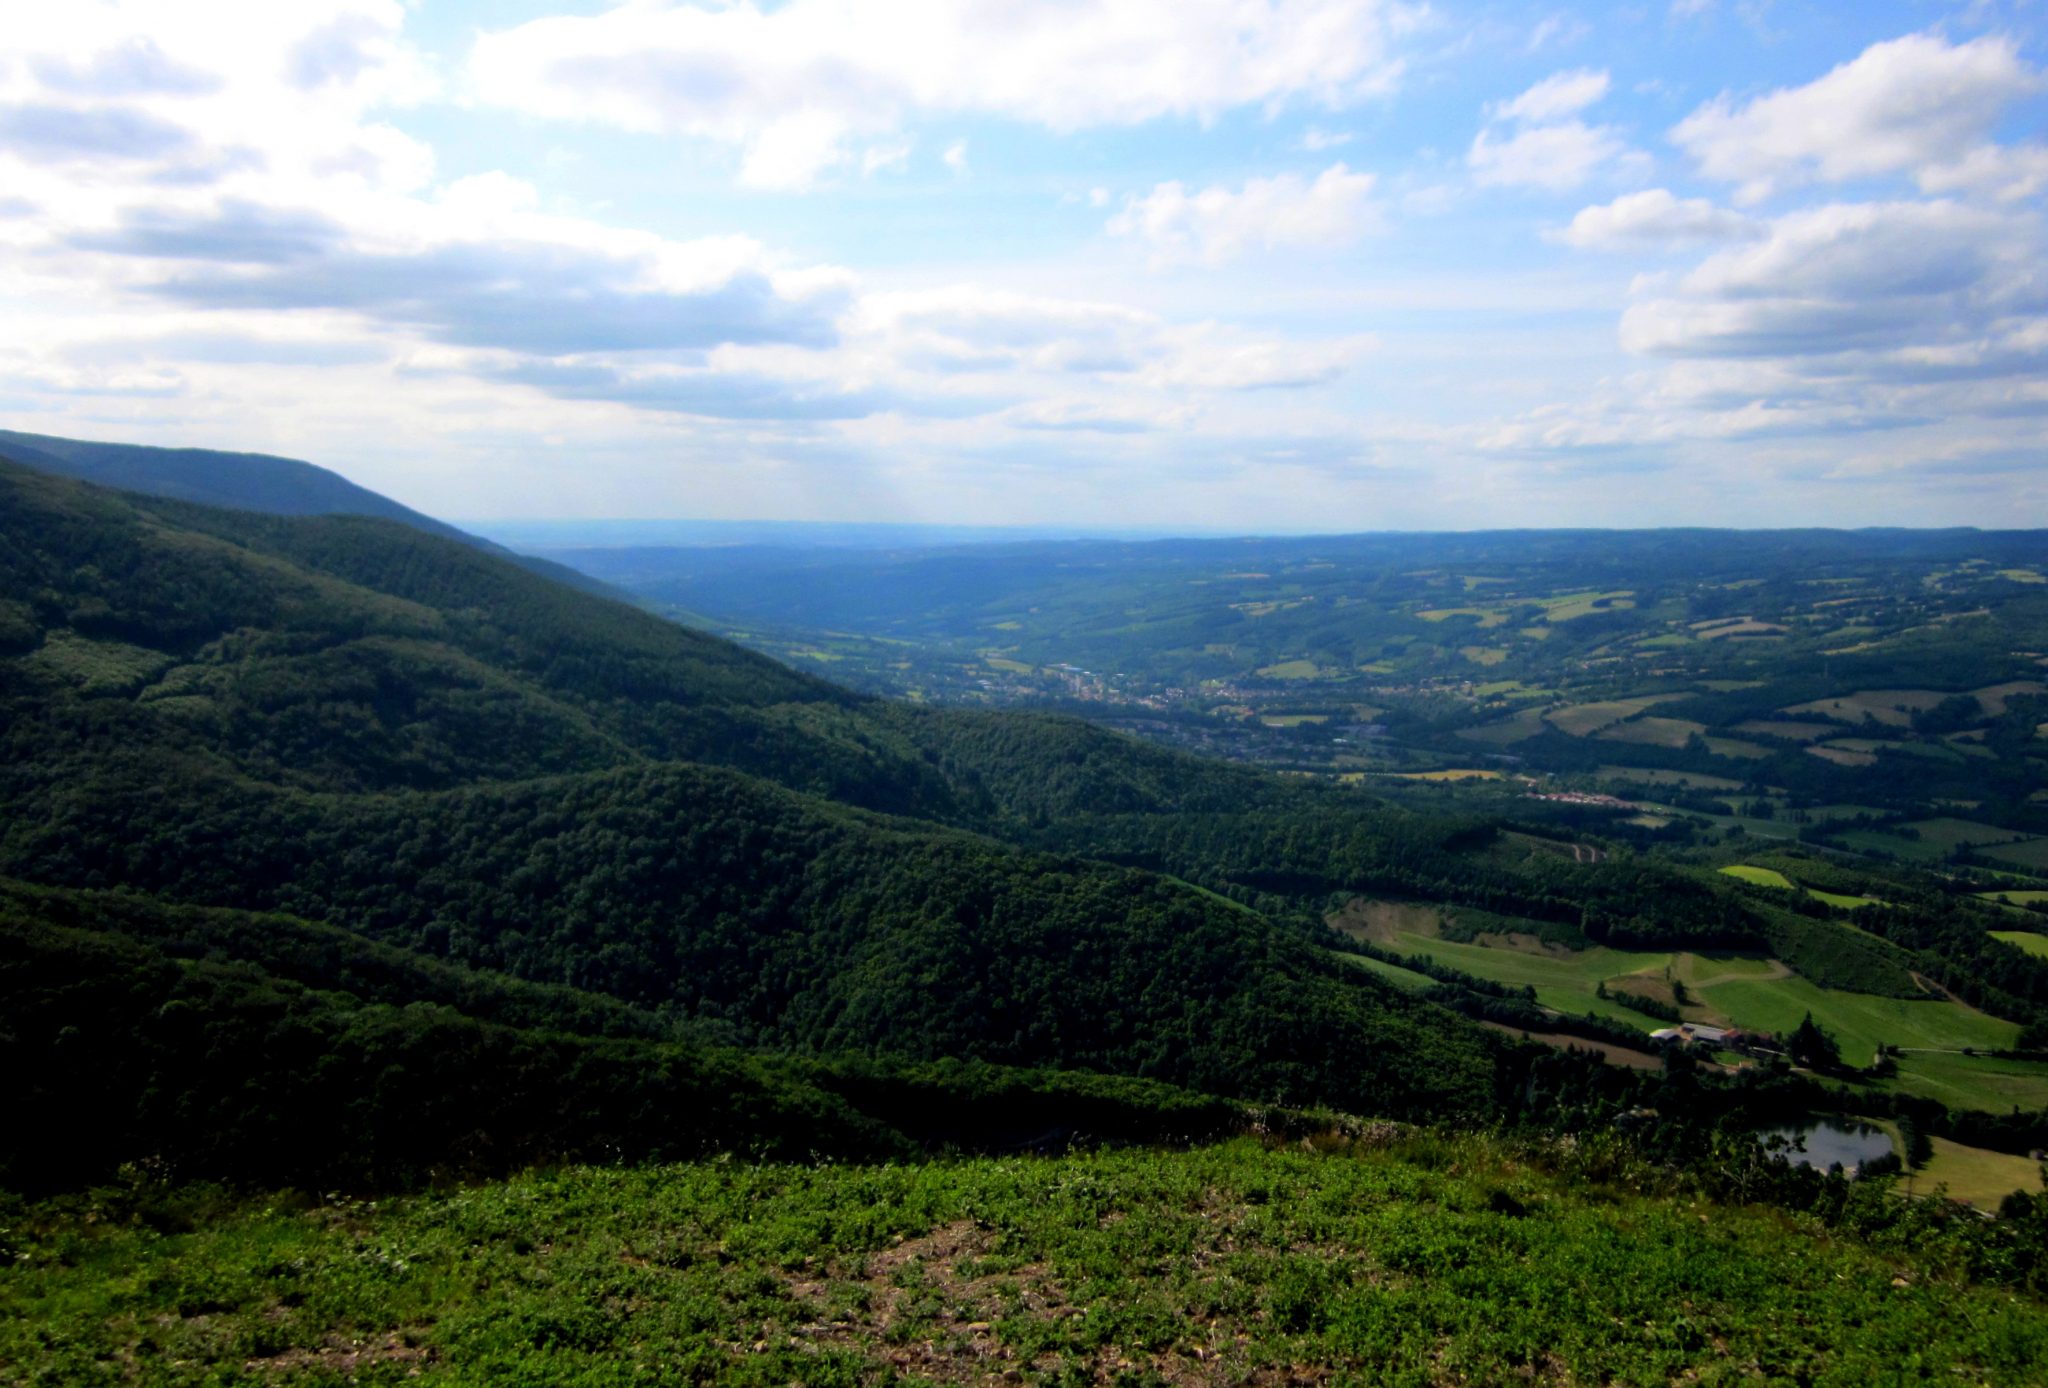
<point x="342" y="855"/>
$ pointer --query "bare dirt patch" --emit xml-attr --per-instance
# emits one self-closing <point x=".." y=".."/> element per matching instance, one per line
<point x="1383" y="922"/>
<point x="346" y="1357"/>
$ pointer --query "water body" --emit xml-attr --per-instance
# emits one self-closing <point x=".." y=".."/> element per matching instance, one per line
<point x="1824" y="1144"/>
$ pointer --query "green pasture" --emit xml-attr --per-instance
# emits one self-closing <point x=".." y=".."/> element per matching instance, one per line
<point x="1847" y="903"/>
<point x="1756" y="995"/>
<point x="1985" y="1082"/>
<point x="1736" y="749"/>
<point x="1582" y="719"/>
<point x="1760" y="876"/>
<point x="1860" y="1021"/>
<point x="2028" y="853"/>
<point x="1655" y="732"/>
<point x="2026" y="939"/>
<point x="1565" y="982"/>
<point x="1877" y="841"/>
<point x="1291" y="670"/>
<point x="1947" y="833"/>
<point x="1972" y="1174"/>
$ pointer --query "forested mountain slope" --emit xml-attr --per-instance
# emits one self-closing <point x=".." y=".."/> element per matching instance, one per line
<point x="246" y="482"/>
<point x="352" y="722"/>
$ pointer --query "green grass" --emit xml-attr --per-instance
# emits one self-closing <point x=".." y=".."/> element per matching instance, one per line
<point x="1291" y="670"/>
<point x="1860" y="1021"/>
<point x="1565" y="982"/>
<point x="1983" y="1082"/>
<point x="1401" y="1259"/>
<point x="1877" y="841"/>
<point x="1760" y="876"/>
<point x="1749" y="994"/>
<point x="1581" y="720"/>
<point x="2026" y="939"/>
<point x="1736" y="748"/>
<point x="2030" y="853"/>
<point x="1846" y="902"/>
<point x="1973" y="1174"/>
<point x="1655" y="732"/>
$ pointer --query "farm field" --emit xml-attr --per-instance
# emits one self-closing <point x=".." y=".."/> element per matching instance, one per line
<point x="1755" y="994"/>
<point x="1974" y="1175"/>
<point x="1760" y="876"/>
<point x="1654" y="732"/>
<point x="2032" y="943"/>
<point x="1892" y="707"/>
<point x="1860" y="1021"/>
<point x="1581" y="720"/>
<point x="1974" y="1081"/>
<point x="2031" y="854"/>
<point x="1658" y="776"/>
<point x="1771" y="877"/>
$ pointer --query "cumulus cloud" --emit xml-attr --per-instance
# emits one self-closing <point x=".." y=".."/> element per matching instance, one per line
<point x="1218" y="224"/>
<point x="1536" y="140"/>
<point x="1917" y="105"/>
<point x="1850" y="278"/>
<point x="43" y="133"/>
<point x="1652" y="219"/>
<point x="794" y="85"/>
<point x="137" y="66"/>
<point x="526" y="296"/>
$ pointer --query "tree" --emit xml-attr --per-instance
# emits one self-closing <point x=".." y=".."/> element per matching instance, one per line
<point x="1812" y="1047"/>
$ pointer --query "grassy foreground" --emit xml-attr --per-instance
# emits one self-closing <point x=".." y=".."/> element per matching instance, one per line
<point x="1408" y="1259"/>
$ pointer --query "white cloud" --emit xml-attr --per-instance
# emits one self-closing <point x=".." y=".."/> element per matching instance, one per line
<point x="1315" y="139"/>
<point x="806" y="77"/>
<point x="1219" y="224"/>
<point x="1654" y="218"/>
<point x="1916" y="105"/>
<point x="1536" y="140"/>
<point x="1559" y="95"/>
<point x="955" y="157"/>
<point x="1555" y="157"/>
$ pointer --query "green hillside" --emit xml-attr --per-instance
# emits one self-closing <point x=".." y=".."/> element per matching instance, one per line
<point x="352" y="723"/>
<point x="1399" y="1258"/>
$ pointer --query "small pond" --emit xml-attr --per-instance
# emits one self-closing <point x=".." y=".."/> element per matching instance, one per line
<point x="1826" y="1143"/>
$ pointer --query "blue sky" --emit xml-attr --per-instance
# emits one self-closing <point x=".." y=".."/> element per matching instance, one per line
<point x="1205" y="265"/>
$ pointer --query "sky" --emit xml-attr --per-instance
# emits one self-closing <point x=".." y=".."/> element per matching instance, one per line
<point x="1193" y="265"/>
